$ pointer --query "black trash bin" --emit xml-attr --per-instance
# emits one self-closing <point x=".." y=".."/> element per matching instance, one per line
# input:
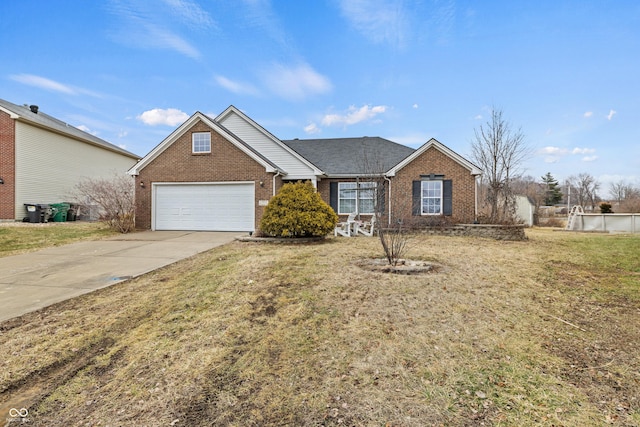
<point x="72" y="213"/>
<point x="37" y="212"/>
<point x="33" y="212"/>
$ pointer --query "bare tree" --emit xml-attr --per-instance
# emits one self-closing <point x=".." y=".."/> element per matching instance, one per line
<point x="114" y="197"/>
<point x="585" y="187"/>
<point x="500" y="152"/>
<point x="626" y="195"/>
<point x="392" y="229"/>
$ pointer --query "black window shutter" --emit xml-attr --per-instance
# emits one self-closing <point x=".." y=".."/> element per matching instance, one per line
<point x="380" y="195"/>
<point x="333" y="196"/>
<point x="447" y="197"/>
<point x="417" y="198"/>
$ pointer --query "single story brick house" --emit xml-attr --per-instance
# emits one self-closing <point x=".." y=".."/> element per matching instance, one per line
<point x="43" y="158"/>
<point x="219" y="174"/>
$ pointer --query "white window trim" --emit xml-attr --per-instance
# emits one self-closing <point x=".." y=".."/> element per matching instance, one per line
<point x="358" y="198"/>
<point x="193" y="143"/>
<point x="422" y="197"/>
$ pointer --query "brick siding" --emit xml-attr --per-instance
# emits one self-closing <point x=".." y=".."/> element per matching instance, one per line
<point x="177" y="163"/>
<point x="431" y="161"/>
<point x="7" y="166"/>
<point x="434" y="161"/>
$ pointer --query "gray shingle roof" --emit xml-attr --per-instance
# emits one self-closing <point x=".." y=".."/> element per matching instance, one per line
<point x="46" y="121"/>
<point x="351" y="156"/>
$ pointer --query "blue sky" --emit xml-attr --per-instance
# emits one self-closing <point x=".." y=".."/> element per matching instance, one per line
<point x="566" y="72"/>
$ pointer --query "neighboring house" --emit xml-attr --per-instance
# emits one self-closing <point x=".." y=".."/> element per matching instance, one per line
<point x="219" y="174"/>
<point x="43" y="158"/>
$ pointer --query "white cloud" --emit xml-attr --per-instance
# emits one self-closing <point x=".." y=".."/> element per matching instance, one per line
<point x="86" y="129"/>
<point x="51" y="85"/>
<point x="312" y="128"/>
<point x="158" y="116"/>
<point x="588" y="114"/>
<point x="145" y="26"/>
<point x="260" y="14"/>
<point x="43" y="83"/>
<point x="190" y="12"/>
<point x="415" y="106"/>
<point x="478" y="117"/>
<point x="297" y="82"/>
<point x="611" y="114"/>
<point x="554" y="150"/>
<point x="589" y="158"/>
<point x="236" y="87"/>
<point x="381" y="21"/>
<point x="354" y="115"/>
<point x="583" y="150"/>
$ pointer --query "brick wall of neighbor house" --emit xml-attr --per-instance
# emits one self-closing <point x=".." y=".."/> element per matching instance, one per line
<point x="7" y="166"/>
<point x="177" y="164"/>
<point x="436" y="162"/>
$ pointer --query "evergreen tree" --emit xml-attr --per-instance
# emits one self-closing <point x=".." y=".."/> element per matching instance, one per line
<point x="552" y="194"/>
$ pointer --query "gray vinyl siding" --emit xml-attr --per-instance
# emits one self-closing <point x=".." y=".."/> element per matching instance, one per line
<point x="48" y="165"/>
<point x="294" y="167"/>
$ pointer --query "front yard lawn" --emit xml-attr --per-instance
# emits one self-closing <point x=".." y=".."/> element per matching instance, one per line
<point x="16" y="238"/>
<point x="540" y="332"/>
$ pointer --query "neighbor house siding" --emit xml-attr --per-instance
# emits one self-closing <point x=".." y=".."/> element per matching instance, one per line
<point x="7" y="166"/>
<point x="285" y="160"/>
<point x="177" y="163"/>
<point x="49" y="165"/>
<point x="434" y="161"/>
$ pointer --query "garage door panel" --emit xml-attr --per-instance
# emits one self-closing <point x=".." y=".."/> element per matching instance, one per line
<point x="210" y="207"/>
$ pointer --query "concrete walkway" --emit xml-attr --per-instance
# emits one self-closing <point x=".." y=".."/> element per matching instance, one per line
<point x="35" y="280"/>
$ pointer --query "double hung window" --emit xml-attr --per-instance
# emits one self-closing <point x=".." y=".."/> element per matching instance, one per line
<point x="431" y="197"/>
<point x="358" y="197"/>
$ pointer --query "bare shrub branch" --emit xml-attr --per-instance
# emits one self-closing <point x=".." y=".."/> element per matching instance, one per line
<point x="113" y="196"/>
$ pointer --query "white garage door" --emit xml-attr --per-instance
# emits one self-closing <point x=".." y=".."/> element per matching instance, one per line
<point x="210" y="207"/>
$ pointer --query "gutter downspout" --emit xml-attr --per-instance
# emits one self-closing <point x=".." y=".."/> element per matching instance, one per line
<point x="389" y="181"/>
<point x="273" y="186"/>
<point x="476" y="199"/>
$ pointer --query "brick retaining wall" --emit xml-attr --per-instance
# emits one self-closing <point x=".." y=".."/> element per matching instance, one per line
<point x="498" y="232"/>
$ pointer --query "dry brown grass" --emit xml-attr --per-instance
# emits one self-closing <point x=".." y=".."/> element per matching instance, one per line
<point x="503" y="333"/>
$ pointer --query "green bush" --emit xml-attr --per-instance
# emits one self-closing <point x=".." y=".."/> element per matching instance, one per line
<point x="298" y="211"/>
<point x="605" y="207"/>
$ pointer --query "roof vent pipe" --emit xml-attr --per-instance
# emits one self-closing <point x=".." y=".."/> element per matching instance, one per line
<point x="34" y="109"/>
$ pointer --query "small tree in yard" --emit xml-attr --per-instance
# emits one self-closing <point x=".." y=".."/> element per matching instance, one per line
<point x="394" y="235"/>
<point x="114" y="197"/>
<point x="298" y="211"/>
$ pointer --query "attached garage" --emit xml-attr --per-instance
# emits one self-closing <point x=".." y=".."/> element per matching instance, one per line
<point x="204" y="206"/>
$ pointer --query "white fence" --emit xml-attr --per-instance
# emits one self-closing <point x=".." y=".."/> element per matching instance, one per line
<point x="624" y="223"/>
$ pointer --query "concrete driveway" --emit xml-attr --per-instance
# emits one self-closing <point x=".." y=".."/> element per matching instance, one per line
<point x="35" y="280"/>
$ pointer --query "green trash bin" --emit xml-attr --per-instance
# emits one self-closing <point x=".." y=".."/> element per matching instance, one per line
<point x="60" y="211"/>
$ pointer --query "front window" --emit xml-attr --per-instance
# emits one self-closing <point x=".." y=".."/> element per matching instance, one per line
<point x="201" y="142"/>
<point x="431" y="197"/>
<point x="358" y="197"/>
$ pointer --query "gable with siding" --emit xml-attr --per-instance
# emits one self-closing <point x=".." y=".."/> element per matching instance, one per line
<point x="295" y="166"/>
